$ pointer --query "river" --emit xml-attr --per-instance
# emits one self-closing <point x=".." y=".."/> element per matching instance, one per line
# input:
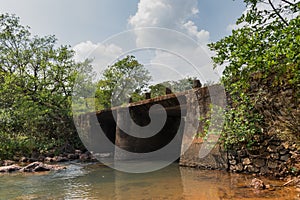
<point x="94" y="181"/>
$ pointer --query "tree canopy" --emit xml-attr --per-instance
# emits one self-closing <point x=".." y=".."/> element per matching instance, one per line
<point x="36" y="84"/>
<point x="122" y="80"/>
<point x="262" y="74"/>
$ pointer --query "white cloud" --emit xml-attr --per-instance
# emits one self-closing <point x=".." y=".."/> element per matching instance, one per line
<point x="83" y="49"/>
<point x="101" y="54"/>
<point x="202" y="36"/>
<point x="179" y="53"/>
<point x="172" y="14"/>
<point x="175" y="15"/>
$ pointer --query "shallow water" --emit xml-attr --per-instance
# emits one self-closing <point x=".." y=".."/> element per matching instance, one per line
<point x="94" y="181"/>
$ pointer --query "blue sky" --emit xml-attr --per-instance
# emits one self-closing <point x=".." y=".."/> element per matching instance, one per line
<point x="86" y="24"/>
<point x="74" y="21"/>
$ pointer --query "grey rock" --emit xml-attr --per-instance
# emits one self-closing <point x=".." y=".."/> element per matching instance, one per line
<point x="232" y="162"/>
<point x="246" y="161"/>
<point x="272" y="165"/>
<point x="252" y="169"/>
<point x="10" y="168"/>
<point x="258" y="162"/>
<point x="285" y="158"/>
<point x="272" y="148"/>
<point x="8" y="162"/>
<point x="274" y="156"/>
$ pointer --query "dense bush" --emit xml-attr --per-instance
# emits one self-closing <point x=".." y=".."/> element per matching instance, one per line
<point x="36" y="81"/>
<point x="262" y="74"/>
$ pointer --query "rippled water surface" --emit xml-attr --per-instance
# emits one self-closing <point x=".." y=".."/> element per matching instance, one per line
<point x="93" y="181"/>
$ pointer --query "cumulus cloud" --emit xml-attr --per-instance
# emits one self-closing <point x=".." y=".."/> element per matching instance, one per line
<point x="172" y="14"/>
<point x="101" y="54"/>
<point x="184" y="48"/>
<point x="194" y="59"/>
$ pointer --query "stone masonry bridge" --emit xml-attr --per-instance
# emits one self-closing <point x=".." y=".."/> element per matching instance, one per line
<point x="182" y="123"/>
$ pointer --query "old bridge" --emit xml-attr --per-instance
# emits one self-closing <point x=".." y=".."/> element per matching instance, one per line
<point x="182" y="124"/>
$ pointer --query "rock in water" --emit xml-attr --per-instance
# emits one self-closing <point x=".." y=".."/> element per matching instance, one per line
<point x="40" y="167"/>
<point x="10" y="168"/>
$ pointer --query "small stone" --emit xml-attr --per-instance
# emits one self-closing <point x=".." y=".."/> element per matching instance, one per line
<point x="60" y="159"/>
<point x="272" y="148"/>
<point x="246" y="161"/>
<point x="23" y="159"/>
<point x="83" y="157"/>
<point x="274" y="156"/>
<point x="73" y="156"/>
<point x="272" y="165"/>
<point x="242" y="153"/>
<point x="258" y="162"/>
<point x="8" y="162"/>
<point x="286" y="145"/>
<point x="78" y="152"/>
<point x="49" y="159"/>
<point x="264" y="170"/>
<point x="252" y="169"/>
<point x="285" y="158"/>
<point x="283" y="151"/>
<point x="232" y="167"/>
<point x="32" y="160"/>
<point x="239" y="167"/>
<point x="232" y="162"/>
<point x="257" y="184"/>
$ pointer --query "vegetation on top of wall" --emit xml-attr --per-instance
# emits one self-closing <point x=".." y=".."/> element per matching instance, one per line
<point x="262" y="74"/>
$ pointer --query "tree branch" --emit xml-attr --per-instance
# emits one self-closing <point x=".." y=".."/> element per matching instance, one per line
<point x="290" y="3"/>
<point x="277" y="13"/>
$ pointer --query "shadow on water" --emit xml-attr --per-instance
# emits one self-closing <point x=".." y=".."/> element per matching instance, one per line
<point x="95" y="181"/>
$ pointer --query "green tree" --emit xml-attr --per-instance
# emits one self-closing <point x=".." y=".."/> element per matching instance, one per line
<point x="36" y="87"/>
<point x="261" y="60"/>
<point x="122" y="80"/>
<point x="175" y="86"/>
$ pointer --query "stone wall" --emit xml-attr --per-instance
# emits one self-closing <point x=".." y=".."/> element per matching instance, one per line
<point x="271" y="157"/>
<point x="268" y="156"/>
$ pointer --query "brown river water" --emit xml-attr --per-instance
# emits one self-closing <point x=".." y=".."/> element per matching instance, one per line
<point x="94" y="181"/>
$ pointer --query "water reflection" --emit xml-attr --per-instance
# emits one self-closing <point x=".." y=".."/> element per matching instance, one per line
<point x="99" y="182"/>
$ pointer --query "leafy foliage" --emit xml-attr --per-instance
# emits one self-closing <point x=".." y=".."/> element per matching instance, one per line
<point x="126" y="78"/>
<point x="175" y="86"/>
<point x="261" y="60"/>
<point x="36" y="86"/>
